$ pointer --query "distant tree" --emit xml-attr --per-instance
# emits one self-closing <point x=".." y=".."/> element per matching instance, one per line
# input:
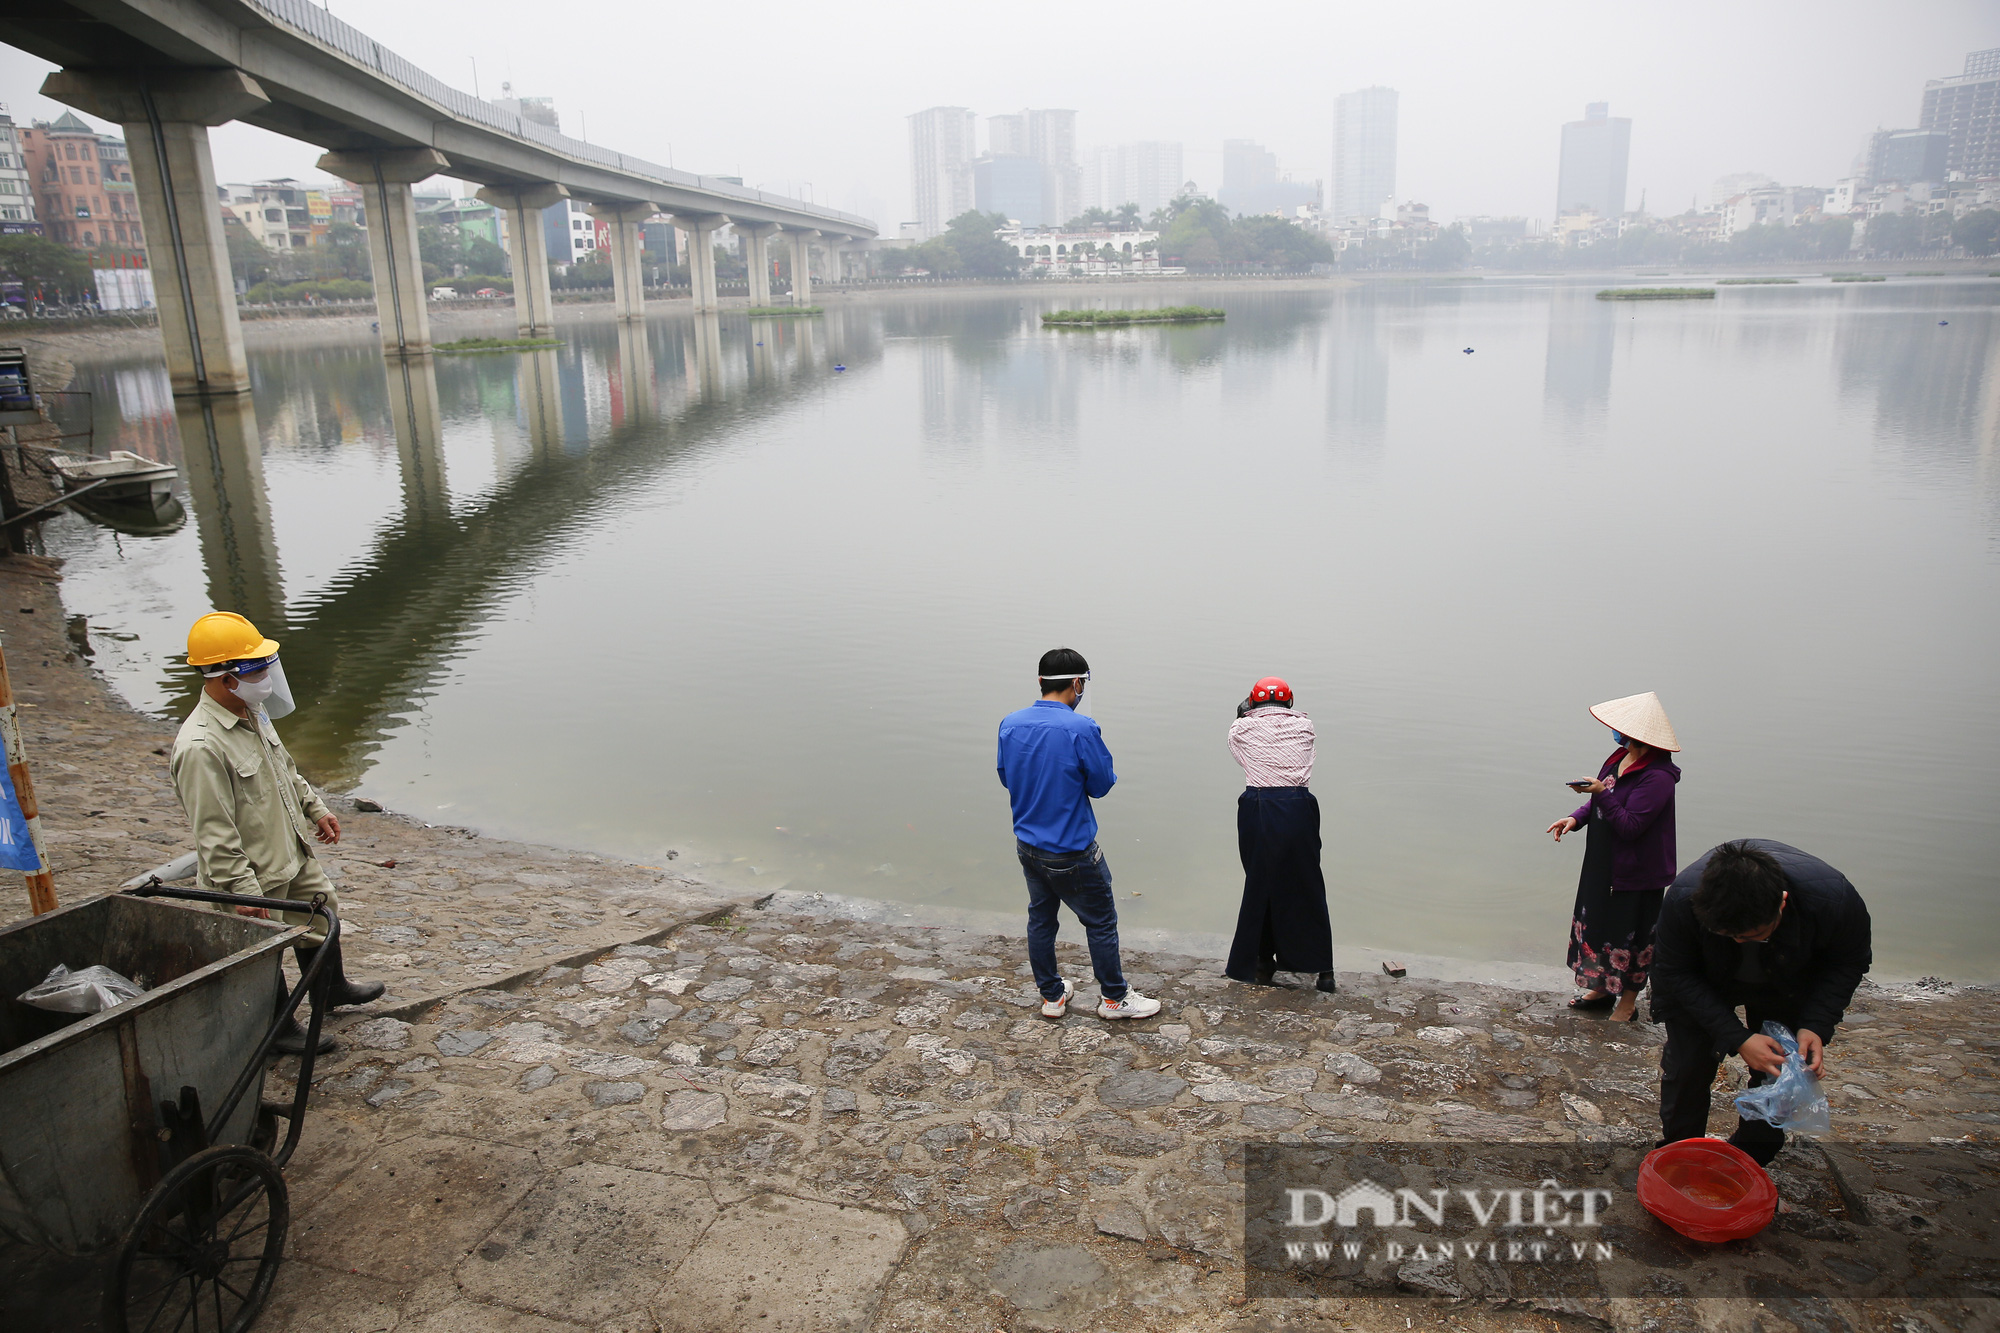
<point x="1094" y="219"/>
<point x="39" y="264"/>
<point x="1448" y="251"/>
<point x="593" y="270"/>
<point x="1893" y="234"/>
<point x="482" y="255"/>
<point x="344" y="252"/>
<point x="1194" y="232"/>
<point x="1978" y="231"/>
<point x="980" y="252"/>
<point x="249" y="261"/>
<point x="1277" y="242"/>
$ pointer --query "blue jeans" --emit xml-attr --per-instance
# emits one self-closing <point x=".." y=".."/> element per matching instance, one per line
<point x="1082" y="881"/>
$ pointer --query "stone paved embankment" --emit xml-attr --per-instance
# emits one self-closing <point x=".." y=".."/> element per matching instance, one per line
<point x="602" y="1096"/>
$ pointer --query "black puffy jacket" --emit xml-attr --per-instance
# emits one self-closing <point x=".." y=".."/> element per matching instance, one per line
<point x="1815" y="958"/>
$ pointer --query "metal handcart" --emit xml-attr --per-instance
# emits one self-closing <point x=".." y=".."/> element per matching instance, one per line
<point x="140" y="1133"/>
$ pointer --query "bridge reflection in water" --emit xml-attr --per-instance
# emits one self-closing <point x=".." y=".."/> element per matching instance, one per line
<point x="599" y="419"/>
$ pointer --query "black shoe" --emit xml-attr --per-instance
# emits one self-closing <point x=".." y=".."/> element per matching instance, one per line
<point x="1582" y="1005"/>
<point x="292" y="1039"/>
<point x="341" y="992"/>
<point x="1326" y="983"/>
<point x="1759" y="1150"/>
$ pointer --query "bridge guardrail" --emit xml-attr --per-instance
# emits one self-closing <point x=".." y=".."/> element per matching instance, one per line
<point x="311" y="21"/>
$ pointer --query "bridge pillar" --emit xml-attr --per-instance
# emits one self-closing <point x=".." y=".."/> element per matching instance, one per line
<point x="419" y="422"/>
<point x="528" y="252"/>
<point x="635" y="367"/>
<point x="402" y="309"/>
<point x="222" y="453"/>
<point x="830" y="248"/>
<point x="701" y="229"/>
<point x="166" y="115"/>
<point x="757" y="257"/>
<point x="628" y="279"/>
<point x="802" y="283"/>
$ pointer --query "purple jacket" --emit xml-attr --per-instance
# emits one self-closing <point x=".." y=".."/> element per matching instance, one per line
<point x="1638" y="816"/>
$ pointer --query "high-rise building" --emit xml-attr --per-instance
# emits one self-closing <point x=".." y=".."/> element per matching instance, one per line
<point x="1049" y="137"/>
<point x="1052" y="142"/>
<point x="1147" y="174"/>
<point x="1595" y="152"/>
<point x="1007" y="136"/>
<point x="1015" y="187"/>
<point x="1364" y="153"/>
<point x="1903" y="157"/>
<point x="941" y="153"/>
<point x="17" y="192"/>
<point x="1251" y="184"/>
<point x="1968" y="109"/>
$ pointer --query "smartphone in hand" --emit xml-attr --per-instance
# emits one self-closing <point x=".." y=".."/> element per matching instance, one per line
<point x="1579" y="784"/>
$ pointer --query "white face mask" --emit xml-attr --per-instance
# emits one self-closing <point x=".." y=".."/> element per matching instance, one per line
<point x="269" y="694"/>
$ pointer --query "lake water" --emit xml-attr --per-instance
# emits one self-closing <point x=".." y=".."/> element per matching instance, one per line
<point x="694" y="588"/>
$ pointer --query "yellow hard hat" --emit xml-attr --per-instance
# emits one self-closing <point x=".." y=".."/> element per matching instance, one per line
<point x="224" y="636"/>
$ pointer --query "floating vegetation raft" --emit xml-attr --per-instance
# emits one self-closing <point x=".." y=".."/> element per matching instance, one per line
<point x="1755" y="282"/>
<point x="780" y="311"/>
<point x="1657" y="294"/>
<point x="496" y="344"/>
<point x="1859" y="277"/>
<point x="1173" y="314"/>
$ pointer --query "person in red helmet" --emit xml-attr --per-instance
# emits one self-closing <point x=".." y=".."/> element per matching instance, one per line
<point x="1283" y="924"/>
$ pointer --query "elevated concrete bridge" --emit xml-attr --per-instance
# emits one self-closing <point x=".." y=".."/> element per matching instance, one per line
<point x="168" y="70"/>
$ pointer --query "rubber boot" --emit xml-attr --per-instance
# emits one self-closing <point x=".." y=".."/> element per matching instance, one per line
<point x="292" y="1036"/>
<point x="340" y="991"/>
<point x="1326" y="983"/>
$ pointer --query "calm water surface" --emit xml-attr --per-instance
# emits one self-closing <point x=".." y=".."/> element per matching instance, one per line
<point x="693" y="588"/>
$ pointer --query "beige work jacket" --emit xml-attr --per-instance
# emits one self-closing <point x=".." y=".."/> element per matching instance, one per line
<point x="253" y="815"/>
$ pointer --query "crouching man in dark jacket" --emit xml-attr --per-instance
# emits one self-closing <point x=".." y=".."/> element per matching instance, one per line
<point x="1765" y="926"/>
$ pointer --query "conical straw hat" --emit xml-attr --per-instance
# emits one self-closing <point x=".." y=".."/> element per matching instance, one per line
<point x="1641" y="717"/>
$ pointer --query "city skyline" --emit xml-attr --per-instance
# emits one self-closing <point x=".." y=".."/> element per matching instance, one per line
<point x="1478" y="105"/>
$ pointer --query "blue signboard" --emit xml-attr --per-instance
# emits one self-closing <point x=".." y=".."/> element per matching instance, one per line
<point x="17" y="849"/>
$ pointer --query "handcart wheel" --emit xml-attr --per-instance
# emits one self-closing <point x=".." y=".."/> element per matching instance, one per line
<point x="204" y="1249"/>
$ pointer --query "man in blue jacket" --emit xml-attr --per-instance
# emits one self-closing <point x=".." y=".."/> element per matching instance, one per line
<point x="1762" y="925"/>
<point x="1053" y="763"/>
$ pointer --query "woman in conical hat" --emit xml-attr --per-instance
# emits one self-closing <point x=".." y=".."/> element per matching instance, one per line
<point x="1628" y="856"/>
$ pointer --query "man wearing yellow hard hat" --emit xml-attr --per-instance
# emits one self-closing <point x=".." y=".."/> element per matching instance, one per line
<point x="254" y="817"/>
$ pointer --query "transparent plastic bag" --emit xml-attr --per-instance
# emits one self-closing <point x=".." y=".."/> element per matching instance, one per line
<point x="1793" y="1100"/>
<point x="90" y="991"/>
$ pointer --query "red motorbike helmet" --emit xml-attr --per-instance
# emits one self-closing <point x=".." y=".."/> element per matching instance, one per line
<point x="1271" y="690"/>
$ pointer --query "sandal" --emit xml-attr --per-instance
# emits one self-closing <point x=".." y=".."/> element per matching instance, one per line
<point x="1586" y="1004"/>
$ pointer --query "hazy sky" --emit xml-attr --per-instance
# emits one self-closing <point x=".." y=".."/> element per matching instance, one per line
<point x="796" y="97"/>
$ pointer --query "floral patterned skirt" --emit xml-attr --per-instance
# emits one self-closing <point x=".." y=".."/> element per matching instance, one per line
<point x="1611" y="933"/>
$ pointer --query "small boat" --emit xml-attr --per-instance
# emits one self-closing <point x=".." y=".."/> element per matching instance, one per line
<point x="125" y="476"/>
<point x="140" y="516"/>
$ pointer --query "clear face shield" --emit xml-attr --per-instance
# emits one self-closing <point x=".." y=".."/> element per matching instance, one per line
<point x="262" y="687"/>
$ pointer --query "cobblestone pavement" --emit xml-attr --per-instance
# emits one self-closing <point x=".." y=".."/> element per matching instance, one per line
<point x="603" y="1096"/>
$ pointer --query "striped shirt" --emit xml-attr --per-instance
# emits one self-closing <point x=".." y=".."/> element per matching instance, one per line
<point x="1275" y="747"/>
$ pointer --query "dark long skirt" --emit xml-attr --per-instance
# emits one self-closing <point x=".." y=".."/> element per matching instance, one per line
<point x="1282" y="925"/>
<point x="1610" y="933"/>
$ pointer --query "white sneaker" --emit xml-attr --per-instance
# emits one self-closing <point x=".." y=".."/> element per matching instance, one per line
<point x="1057" y="1008"/>
<point x="1134" y="1005"/>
